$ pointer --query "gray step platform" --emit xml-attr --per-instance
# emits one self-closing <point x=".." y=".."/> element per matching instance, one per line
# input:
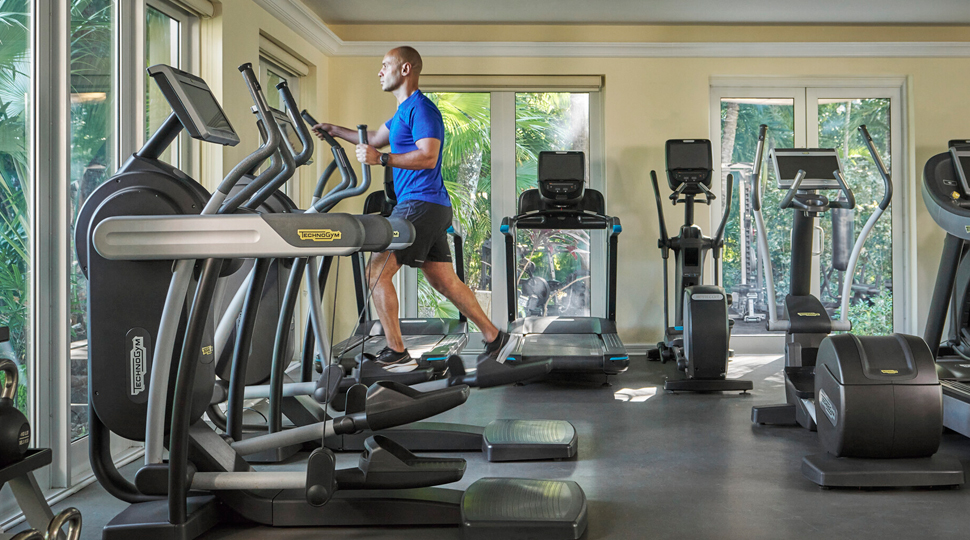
<point x="500" y="440"/>
<point x="708" y="385"/>
<point x="523" y="509"/>
<point x="827" y="470"/>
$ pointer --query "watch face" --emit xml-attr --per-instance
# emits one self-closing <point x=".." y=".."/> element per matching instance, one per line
<point x="385" y="157"/>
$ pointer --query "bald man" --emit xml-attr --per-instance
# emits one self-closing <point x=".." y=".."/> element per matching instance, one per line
<point x="416" y="134"/>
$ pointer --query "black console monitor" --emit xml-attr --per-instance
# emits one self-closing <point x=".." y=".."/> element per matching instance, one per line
<point x="192" y="101"/>
<point x="689" y="163"/>
<point x="562" y="176"/>
<point x="819" y="165"/>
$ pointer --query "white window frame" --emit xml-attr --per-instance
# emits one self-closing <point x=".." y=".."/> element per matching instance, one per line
<point x="806" y="92"/>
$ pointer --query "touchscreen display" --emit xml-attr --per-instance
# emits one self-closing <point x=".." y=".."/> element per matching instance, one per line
<point x="693" y="155"/>
<point x="205" y="104"/>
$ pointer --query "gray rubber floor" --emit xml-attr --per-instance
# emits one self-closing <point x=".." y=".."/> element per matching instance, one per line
<point x="656" y="465"/>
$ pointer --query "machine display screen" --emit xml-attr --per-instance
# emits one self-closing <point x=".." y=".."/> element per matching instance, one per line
<point x="561" y="166"/>
<point x="689" y="155"/>
<point x="964" y="164"/>
<point x="819" y="167"/>
<point x="208" y="108"/>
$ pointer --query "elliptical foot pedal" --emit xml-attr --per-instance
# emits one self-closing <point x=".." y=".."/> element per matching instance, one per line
<point x="520" y="509"/>
<point x="149" y="520"/>
<point x="524" y="440"/>
<point x="827" y="470"/>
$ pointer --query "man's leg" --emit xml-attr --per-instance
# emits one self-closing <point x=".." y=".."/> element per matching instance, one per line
<point x="441" y="276"/>
<point x="380" y="270"/>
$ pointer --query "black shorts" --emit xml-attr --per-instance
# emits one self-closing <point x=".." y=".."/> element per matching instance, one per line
<point x="431" y="222"/>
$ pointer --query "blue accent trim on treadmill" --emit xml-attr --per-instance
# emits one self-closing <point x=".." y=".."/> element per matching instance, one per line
<point x="617" y="228"/>
<point x="617" y="358"/>
<point x="504" y="229"/>
<point x="679" y="328"/>
<point x="451" y="230"/>
<point x="437" y="358"/>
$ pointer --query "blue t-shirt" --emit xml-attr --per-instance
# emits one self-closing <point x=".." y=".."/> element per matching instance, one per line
<point x="418" y="118"/>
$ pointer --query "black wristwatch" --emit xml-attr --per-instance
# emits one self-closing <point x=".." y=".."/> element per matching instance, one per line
<point x="385" y="157"/>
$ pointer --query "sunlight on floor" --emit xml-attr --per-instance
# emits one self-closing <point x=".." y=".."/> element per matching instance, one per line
<point x="635" y="395"/>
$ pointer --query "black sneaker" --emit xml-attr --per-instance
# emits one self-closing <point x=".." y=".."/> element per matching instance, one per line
<point x="494" y="347"/>
<point x="395" y="362"/>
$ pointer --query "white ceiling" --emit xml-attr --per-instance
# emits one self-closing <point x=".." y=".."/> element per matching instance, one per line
<point x="644" y="11"/>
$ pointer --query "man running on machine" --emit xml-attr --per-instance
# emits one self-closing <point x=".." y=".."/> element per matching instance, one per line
<point x="416" y="134"/>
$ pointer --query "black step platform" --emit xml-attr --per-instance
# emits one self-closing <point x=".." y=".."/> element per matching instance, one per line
<point x="710" y="385"/>
<point x="500" y="440"/>
<point x="827" y="470"/>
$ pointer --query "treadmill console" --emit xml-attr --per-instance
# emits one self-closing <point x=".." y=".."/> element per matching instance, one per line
<point x="819" y="164"/>
<point x="562" y="177"/>
<point x="689" y="165"/>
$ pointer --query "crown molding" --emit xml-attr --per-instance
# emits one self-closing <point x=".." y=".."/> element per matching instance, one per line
<point x="308" y="25"/>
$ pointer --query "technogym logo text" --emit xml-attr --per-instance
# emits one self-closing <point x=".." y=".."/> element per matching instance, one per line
<point x="138" y="349"/>
<point x="139" y="358"/>
<point x="318" y="235"/>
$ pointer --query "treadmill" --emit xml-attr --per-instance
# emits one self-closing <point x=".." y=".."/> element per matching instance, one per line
<point x="946" y="193"/>
<point x="430" y="340"/>
<point x="574" y="344"/>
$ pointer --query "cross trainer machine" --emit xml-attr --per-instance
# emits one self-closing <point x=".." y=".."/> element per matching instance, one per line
<point x="699" y="340"/>
<point x="132" y="230"/>
<point x="871" y="398"/>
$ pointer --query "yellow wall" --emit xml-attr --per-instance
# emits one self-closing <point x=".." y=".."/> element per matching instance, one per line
<point x="231" y="38"/>
<point x="647" y="101"/>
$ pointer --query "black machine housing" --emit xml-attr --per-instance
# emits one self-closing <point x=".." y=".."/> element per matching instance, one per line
<point x="703" y="355"/>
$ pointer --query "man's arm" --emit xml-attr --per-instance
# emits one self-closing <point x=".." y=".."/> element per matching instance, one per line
<point x="425" y="157"/>
<point x="377" y="138"/>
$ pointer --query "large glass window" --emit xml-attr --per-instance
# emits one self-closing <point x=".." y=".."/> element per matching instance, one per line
<point x="161" y="47"/>
<point x="742" y="268"/>
<point x="92" y="161"/>
<point x="831" y="119"/>
<point x="871" y="304"/>
<point x="15" y="119"/>
<point x="553" y="266"/>
<point x="466" y="167"/>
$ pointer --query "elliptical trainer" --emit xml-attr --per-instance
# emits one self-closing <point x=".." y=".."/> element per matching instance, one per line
<point x="703" y="358"/>
<point x="871" y="398"/>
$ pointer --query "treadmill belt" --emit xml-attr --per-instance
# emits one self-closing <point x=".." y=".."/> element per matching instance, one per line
<point x="416" y="345"/>
<point x="558" y="345"/>
<point x="957" y="390"/>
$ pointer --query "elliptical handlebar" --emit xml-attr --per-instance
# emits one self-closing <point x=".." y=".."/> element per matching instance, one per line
<point x="718" y="240"/>
<point x="883" y="171"/>
<point x="301" y="130"/>
<point x="870" y="223"/>
<point x="664" y="243"/>
<point x="849" y="202"/>
<point x="273" y="139"/>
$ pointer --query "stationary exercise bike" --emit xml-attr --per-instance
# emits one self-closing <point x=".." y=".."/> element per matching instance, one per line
<point x="875" y="401"/>
<point x="699" y="338"/>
